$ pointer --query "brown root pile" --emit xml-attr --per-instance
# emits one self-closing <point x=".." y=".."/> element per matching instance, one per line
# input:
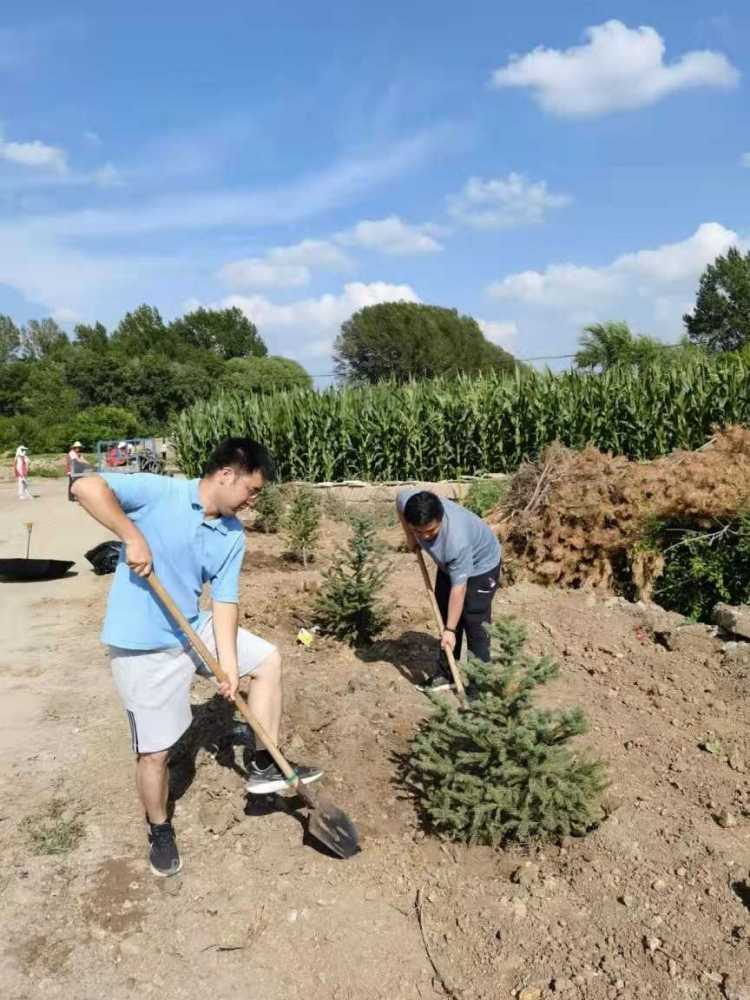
<point x="574" y="518"/>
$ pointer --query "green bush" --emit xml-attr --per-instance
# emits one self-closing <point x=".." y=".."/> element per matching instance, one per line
<point x="347" y="606"/>
<point x="269" y="509"/>
<point x="502" y="768"/>
<point x="484" y="495"/>
<point x="88" y="426"/>
<point x="702" y="565"/>
<point x="302" y="523"/>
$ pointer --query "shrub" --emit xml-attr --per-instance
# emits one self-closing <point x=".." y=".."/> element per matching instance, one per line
<point x="269" y="509"/>
<point x="484" y="495"/>
<point x="502" y="769"/>
<point x="302" y="523"/>
<point x="347" y="606"/>
<point x="705" y="562"/>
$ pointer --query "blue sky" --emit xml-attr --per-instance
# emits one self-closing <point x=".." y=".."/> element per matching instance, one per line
<point x="539" y="166"/>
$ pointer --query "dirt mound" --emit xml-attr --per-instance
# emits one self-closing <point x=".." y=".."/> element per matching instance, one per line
<point x="574" y="518"/>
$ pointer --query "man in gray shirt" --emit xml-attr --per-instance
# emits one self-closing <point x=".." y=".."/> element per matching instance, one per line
<point x="468" y="558"/>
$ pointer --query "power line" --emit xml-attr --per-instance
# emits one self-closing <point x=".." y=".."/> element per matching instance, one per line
<point x="544" y="357"/>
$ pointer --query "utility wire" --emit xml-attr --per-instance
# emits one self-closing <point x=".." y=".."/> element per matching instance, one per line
<point x="544" y="357"/>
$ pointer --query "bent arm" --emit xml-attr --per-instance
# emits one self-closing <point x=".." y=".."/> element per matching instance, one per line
<point x="98" y="500"/>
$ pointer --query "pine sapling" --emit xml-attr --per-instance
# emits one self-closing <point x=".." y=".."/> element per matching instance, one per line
<point x="502" y="769"/>
<point x="347" y="606"/>
<point x="302" y="523"/>
<point x="269" y="509"/>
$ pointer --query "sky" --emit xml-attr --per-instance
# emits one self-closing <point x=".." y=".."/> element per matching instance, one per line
<point x="539" y="166"/>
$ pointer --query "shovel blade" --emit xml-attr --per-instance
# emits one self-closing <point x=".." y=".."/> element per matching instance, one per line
<point x="333" y="828"/>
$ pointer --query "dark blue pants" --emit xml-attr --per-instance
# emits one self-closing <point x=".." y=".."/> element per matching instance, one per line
<point x="477" y="610"/>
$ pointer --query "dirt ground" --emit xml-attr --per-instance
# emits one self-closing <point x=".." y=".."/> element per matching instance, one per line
<point x="653" y="904"/>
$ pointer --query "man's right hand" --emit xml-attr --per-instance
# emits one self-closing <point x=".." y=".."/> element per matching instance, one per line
<point x="138" y="556"/>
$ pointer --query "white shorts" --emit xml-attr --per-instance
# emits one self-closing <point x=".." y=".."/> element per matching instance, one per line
<point x="154" y="685"/>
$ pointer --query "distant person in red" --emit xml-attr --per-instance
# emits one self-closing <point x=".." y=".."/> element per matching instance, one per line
<point x="21" y="472"/>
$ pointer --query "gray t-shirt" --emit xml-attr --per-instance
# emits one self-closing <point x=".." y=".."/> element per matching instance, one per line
<point x="465" y="546"/>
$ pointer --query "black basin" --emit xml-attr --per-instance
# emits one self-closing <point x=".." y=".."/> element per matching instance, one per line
<point x="34" y="569"/>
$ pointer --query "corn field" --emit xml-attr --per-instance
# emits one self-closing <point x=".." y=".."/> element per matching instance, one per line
<point x="445" y="428"/>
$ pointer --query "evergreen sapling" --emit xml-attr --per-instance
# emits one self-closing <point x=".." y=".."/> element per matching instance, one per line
<point x="269" y="509"/>
<point x="302" y="523"/>
<point x="347" y="606"/>
<point x="502" y="769"/>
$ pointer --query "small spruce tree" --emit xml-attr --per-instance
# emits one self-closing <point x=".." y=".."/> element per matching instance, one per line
<point x="302" y="523"/>
<point x="502" y="769"/>
<point x="347" y="606"/>
<point x="269" y="509"/>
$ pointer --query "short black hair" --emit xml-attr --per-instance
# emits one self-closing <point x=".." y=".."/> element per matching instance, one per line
<point x="422" y="508"/>
<point x="242" y="454"/>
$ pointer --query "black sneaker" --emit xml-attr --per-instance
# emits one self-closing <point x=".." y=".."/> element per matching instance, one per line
<point x="163" y="857"/>
<point x="439" y="681"/>
<point x="263" y="781"/>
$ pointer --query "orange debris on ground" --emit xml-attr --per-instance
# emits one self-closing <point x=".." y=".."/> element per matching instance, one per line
<point x="573" y="518"/>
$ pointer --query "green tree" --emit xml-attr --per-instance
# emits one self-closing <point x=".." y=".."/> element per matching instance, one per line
<point x="102" y="423"/>
<point x="720" y="320"/>
<point x="302" y="523"/>
<point x="42" y="338"/>
<point x="269" y="509"/>
<point x="92" y="338"/>
<point x="227" y="333"/>
<point x="347" y="606"/>
<point x="13" y="376"/>
<point x="264" y="375"/>
<point x="143" y="331"/>
<point x="100" y="377"/>
<point x="47" y="394"/>
<point x="10" y="339"/>
<point x="604" y="345"/>
<point x="502" y="769"/>
<point x="403" y="340"/>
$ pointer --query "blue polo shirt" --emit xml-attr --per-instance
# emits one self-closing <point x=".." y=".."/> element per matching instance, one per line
<point x="188" y="549"/>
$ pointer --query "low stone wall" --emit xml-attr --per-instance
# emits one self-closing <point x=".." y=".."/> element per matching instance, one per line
<point x="361" y="492"/>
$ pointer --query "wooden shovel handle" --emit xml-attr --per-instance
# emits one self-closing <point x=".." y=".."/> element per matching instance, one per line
<point x="212" y="663"/>
<point x="441" y="627"/>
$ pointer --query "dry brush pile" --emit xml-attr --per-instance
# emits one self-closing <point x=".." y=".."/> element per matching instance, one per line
<point x="576" y="519"/>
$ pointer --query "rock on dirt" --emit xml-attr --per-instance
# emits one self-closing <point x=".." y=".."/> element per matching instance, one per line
<point x="734" y="619"/>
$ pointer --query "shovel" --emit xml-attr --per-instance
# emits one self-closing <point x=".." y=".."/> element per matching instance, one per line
<point x="460" y="692"/>
<point x="325" y="822"/>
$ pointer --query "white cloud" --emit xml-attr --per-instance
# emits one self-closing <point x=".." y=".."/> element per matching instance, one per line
<point x="318" y="319"/>
<point x="501" y="333"/>
<point x="617" y="69"/>
<point x="662" y="277"/>
<point x="285" y="267"/>
<point x="255" y="272"/>
<point x="504" y="203"/>
<point x="344" y="181"/>
<point x="392" y="236"/>
<point x="66" y="316"/>
<point x="108" y="176"/>
<point x="745" y="159"/>
<point x="92" y="138"/>
<point x="34" y="154"/>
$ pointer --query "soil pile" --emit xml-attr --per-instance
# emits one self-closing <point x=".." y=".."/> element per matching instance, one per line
<point x="575" y="518"/>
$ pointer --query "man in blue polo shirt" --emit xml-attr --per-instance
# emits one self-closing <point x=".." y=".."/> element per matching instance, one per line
<point x="188" y="531"/>
<point x="468" y="558"/>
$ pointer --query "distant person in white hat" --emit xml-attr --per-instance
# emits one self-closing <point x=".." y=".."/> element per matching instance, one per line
<point x="21" y="472"/>
<point x="77" y="467"/>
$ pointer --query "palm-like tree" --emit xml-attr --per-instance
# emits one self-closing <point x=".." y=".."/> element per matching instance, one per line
<point x="604" y="345"/>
